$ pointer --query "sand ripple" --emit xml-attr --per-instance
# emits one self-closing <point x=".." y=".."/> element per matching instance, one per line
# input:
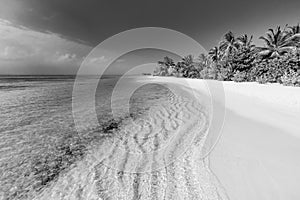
<point x="156" y="156"/>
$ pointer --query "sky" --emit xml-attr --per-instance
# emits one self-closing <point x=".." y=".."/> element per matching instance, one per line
<point x="55" y="36"/>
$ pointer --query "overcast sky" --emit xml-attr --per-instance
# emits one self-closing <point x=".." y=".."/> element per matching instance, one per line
<point x="53" y="36"/>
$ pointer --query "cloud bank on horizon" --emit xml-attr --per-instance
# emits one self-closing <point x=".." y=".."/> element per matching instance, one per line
<point x="53" y="37"/>
<point x="25" y="51"/>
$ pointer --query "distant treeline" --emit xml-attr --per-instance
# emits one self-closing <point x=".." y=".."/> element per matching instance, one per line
<point x="239" y="59"/>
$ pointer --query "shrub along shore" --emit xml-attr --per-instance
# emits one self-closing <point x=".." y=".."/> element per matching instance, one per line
<point x="239" y="59"/>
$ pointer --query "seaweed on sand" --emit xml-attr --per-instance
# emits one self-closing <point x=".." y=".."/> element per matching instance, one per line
<point x="48" y="168"/>
<point x="109" y="127"/>
<point x="45" y="168"/>
<point x="72" y="148"/>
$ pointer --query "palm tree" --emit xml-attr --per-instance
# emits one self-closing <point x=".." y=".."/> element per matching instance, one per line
<point x="164" y="66"/>
<point x="278" y="42"/>
<point x="294" y="32"/>
<point x="246" y="42"/>
<point x="214" y="54"/>
<point x="203" y="59"/>
<point x="229" y="44"/>
<point x="166" y="62"/>
<point x="188" y="60"/>
<point x="202" y="62"/>
<point x="294" y="29"/>
<point x="188" y="65"/>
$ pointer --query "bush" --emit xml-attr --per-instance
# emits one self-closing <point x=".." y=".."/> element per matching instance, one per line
<point x="224" y="74"/>
<point x="204" y="74"/>
<point x="239" y="76"/>
<point x="291" y="78"/>
<point x="270" y="70"/>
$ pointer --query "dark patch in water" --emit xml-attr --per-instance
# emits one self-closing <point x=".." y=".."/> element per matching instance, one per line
<point x="10" y="87"/>
<point x="46" y="168"/>
<point x="111" y="126"/>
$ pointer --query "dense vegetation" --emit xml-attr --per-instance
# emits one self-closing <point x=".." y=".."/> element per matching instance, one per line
<point x="239" y="59"/>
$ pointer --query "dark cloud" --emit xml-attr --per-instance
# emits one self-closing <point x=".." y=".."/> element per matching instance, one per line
<point x="91" y="21"/>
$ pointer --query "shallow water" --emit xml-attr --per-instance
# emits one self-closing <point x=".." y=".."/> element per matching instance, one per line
<point x="39" y="140"/>
<point x="149" y="147"/>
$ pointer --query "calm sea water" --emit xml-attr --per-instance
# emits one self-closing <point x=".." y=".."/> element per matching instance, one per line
<point x="38" y="139"/>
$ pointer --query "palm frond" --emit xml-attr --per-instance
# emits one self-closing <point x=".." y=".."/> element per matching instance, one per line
<point x="267" y="41"/>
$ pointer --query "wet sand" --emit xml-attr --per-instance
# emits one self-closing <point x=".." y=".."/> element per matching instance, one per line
<point x="156" y="156"/>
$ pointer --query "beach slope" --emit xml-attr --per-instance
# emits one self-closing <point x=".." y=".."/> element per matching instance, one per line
<point x="257" y="155"/>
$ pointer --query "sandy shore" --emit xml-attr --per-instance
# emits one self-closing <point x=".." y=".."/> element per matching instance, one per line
<point x="257" y="154"/>
<point x="160" y="155"/>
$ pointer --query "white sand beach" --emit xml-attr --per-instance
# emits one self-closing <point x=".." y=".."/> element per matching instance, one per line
<point x="257" y="156"/>
<point x="160" y="156"/>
